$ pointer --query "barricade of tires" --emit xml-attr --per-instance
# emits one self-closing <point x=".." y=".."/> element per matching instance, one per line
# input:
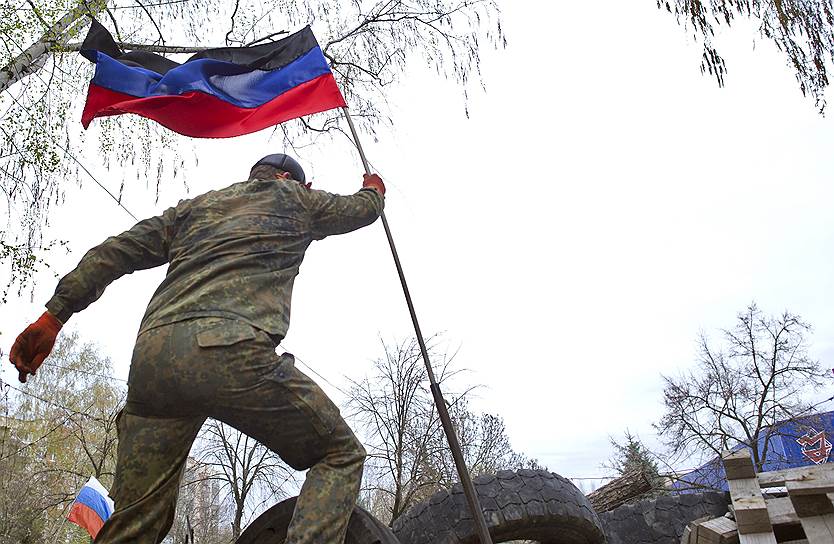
<point x="661" y="520"/>
<point x="518" y="505"/>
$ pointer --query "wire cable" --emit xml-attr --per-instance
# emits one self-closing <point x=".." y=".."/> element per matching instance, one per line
<point x="52" y="403"/>
<point x="311" y="369"/>
<point x="87" y="372"/>
<point x="57" y="426"/>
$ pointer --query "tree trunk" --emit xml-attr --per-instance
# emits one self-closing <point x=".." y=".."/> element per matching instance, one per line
<point x="620" y="491"/>
<point x="238" y="521"/>
<point x="31" y="60"/>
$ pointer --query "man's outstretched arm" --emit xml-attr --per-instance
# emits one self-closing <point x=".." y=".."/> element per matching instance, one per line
<point x="144" y="246"/>
<point x="338" y="214"/>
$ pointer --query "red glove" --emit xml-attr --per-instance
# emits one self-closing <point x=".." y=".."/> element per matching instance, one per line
<point x="374" y="182"/>
<point x="34" y="344"/>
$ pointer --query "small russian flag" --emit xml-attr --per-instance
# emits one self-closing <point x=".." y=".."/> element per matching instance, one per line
<point x="92" y="507"/>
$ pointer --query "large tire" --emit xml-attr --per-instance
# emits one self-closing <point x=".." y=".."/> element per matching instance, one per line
<point x="518" y="505"/>
<point x="271" y="527"/>
<point x="660" y="520"/>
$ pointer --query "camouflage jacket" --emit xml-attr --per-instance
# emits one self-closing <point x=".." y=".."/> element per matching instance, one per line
<point x="232" y="253"/>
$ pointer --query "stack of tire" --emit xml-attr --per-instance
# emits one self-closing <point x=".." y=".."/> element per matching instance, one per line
<point x="518" y="505"/>
<point x="661" y="520"/>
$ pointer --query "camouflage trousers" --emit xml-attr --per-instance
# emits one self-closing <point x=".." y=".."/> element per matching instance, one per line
<point x="187" y="371"/>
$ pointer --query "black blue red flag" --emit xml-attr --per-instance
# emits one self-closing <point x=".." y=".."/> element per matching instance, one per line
<point x="217" y="93"/>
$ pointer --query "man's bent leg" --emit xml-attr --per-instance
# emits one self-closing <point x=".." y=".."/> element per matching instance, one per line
<point x="287" y="412"/>
<point x="150" y="461"/>
<point x="329" y="492"/>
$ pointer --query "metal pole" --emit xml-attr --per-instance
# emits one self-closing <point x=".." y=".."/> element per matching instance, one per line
<point x="445" y="420"/>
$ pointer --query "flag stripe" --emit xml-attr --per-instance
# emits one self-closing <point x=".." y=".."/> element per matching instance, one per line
<point x="203" y="115"/>
<point x="92" y="499"/>
<point x="95" y="485"/>
<point x="86" y="517"/>
<point x="268" y="56"/>
<point x="227" y="81"/>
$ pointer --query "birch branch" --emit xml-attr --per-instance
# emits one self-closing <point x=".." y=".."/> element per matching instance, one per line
<point x="34" y="57"/>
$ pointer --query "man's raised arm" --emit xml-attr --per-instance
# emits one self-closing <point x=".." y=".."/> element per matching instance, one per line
<point x="338" y="214"/>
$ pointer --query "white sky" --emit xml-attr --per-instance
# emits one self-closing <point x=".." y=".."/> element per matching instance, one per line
<point x="603" y="204"/>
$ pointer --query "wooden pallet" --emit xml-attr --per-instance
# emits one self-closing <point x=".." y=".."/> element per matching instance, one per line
<point x="805" y="516"/>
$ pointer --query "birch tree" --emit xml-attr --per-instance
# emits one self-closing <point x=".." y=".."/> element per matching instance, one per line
<point x="369" y="44"/>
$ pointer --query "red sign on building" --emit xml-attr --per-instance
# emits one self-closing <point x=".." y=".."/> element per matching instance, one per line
<point x="815" y="446"/>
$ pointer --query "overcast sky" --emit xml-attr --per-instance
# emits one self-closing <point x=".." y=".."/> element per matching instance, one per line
<point x="603" y="204"/>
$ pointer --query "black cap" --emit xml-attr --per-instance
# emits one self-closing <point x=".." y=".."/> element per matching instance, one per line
<point x="285" y="163"/>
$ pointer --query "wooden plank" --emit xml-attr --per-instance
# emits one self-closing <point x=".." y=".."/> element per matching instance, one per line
<point x="717" y="531"/>
<point x="778" y="478"/>
<point x="817" y="484"/>
<point x="685" y="536"/>
<point x="807" y="506"/>
<point x="738" y="464"/>
<point x="784" y="519"/>
<point x="750" y="509"/>
<point x="758" y="538"/>
<point x="813" y="506"/>
<point x="780" y="511"/>
<point x="691" y="531"/>
<point x="819" y="529"/>
<point x="749" y="506"/>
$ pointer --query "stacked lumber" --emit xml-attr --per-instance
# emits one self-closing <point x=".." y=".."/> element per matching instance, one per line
<point x="804" y="516"/>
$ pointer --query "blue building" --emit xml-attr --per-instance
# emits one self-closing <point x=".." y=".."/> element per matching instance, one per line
<point x="795" y="443"/>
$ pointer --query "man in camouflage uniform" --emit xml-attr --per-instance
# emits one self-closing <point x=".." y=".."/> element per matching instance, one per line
<point x="206" y="346"/>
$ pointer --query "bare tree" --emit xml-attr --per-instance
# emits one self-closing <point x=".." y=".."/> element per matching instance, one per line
<point x="368" y="43"/>
<point x="802" y="30"/>
<point x="761" y="375"/>
<point x="484" y="443"/>
<point x="202" y="515"/>
<point x="398" y="414"/>
<point x="250" y="475"/>
<point x="408" y="456"/>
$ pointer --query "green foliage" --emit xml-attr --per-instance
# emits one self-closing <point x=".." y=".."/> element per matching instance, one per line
<point x="632" y="456"/>
<point x="23" y="261"/>
<point x="58" y="430"/>
<point x="802" y="30"/>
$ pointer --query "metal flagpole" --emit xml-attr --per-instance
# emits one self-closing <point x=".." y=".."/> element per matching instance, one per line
<point x="454" y="445"/>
